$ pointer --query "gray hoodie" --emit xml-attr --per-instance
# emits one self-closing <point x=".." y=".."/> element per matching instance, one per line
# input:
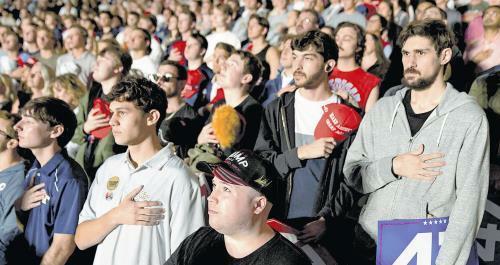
<point x="458" y="128"/>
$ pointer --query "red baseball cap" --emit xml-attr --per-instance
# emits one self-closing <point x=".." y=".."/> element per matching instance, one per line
<point x="338" y="121"/>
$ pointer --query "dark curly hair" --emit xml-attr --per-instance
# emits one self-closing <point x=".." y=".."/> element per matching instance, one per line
<point x="321" y="42"/>
<point x="143" y="93"/>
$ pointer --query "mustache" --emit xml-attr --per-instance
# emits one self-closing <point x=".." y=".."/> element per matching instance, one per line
<point x="411" y="71"/>
<point x="299" y="73"/>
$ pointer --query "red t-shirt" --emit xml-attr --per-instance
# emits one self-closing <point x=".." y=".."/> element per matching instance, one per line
<point x="194" y="80"/>
<point x="357" y="83"/>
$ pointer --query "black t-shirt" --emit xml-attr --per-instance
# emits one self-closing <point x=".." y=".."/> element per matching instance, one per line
<point x="181" y="128"/>
<point x="252" y="112"/>
<point x="416" y="121"/>
<point x="206" y="246"/>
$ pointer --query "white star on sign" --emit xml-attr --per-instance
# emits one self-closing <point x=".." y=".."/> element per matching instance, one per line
<point x="440" y="221"/>
<point x="444" y="221"/>
<point x="436" y="222"/>
<point x="425" y="222"/>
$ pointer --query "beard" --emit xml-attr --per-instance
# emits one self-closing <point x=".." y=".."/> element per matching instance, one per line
<point x="306" y="82"/>
<point x="171" y="92"/>
<point x="419" y="83"/>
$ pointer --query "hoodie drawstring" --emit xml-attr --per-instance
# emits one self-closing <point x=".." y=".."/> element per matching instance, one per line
<point x="442" y="127"/>
<point x="394" y="116"/>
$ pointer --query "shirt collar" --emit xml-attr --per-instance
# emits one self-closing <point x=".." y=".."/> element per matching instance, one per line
<point x="157" y="161"/>
<point x="53" y="163"/>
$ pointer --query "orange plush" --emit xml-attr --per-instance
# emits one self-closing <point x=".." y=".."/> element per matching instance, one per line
<point x="227" y="125"/>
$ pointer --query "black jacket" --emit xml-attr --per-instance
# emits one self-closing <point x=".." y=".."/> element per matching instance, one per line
<point x="276" y="143"/>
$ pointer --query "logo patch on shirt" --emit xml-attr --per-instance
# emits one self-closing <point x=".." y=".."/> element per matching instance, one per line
<point x="46" y="199"/>
<point x="109" y="196"/>
<point x="113" y="183"/>
<point x="2" y="186"/>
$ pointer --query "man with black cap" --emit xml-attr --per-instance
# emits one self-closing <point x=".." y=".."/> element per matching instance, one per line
<point x="238" y="209"/>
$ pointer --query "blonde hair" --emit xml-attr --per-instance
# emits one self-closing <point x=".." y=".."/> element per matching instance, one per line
<point x="8" y="87"/>
<point x="13" y="119"/>
<point x="72" y="85"/>
<point x="48" y="76"/>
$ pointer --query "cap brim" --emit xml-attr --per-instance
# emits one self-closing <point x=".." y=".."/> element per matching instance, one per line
<point x="220" y="171"/>
<point x="206" y="167"/>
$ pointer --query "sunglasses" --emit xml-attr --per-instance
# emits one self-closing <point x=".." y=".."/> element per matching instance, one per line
<point x="164" y="78"/>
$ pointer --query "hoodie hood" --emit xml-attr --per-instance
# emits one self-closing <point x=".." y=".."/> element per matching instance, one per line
<point x="452" y="99"/>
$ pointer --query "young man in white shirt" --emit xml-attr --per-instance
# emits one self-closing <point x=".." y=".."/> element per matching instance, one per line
<point x="139" y="44"/>
<point x="221" y="19"/>
<point x="144" y="202"/>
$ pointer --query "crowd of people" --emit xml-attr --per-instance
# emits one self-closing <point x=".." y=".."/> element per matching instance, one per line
<point x="171" y="132"/>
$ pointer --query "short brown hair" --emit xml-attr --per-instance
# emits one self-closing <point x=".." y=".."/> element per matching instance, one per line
<point x="434" y="30"/>
<point x="251" y="65"/>
<point x="122" y="58"/>
<point x="225" y="9"/>
<point x="53" y="111"/>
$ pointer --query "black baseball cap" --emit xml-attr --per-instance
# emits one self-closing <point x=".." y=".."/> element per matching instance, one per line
<point x="244" y="168"/>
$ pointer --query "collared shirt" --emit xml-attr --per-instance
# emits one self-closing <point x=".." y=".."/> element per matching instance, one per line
<point x="165" y="178"/>
<point x="11" y="187"/>
<point x="66" y="185"/>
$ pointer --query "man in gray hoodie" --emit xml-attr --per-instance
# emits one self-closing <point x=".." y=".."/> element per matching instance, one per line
<point x="423" y="152"/>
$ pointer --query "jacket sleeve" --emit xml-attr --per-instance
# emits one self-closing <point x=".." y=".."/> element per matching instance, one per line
<point x="362" y="171"/>
<point x="343" y="197"/>
<point x="339" y="205"/>
<point x="268" y="145"/>
<point x="79" y="136"/>
<point x="472" y="176"/>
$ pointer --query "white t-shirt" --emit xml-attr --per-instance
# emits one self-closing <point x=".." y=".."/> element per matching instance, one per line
<point x="145" y="64"/>
<point x="307" y="115"/>
<point x="166" y="179"/>
<point x="156" y="51"/>
<point x="216" y="37"/>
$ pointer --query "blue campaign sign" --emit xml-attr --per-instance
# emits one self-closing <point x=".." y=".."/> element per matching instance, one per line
<point x="411" y="241"/>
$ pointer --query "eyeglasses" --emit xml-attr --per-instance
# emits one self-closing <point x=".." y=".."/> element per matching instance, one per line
<point x="164" y="78"/>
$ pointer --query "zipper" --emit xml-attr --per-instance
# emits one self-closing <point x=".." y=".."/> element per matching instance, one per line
<point x="289" y="177"/>
<point x="410" y="143"/>
<point x="396" y="193"/>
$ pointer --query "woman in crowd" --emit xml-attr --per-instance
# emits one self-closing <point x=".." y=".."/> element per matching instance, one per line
<point x="374" y="61"/>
